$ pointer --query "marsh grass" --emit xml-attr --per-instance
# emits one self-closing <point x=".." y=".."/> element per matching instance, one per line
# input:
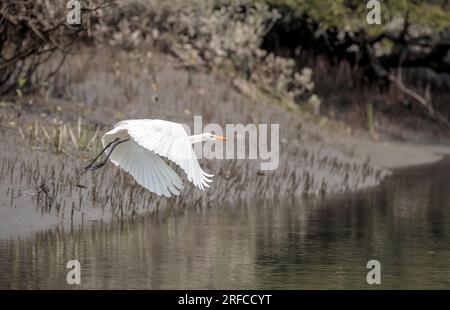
<point x="60" y="136"/>
<point x="45" y="157"/>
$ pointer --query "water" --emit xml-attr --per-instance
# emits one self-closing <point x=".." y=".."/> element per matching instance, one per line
<point x="316" y="244"/>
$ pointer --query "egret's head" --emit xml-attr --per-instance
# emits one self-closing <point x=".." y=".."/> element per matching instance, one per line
<point x="207" y="136"/>
<point x="213" y="137"/>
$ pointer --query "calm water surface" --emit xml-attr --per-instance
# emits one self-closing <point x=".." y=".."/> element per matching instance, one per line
<point x="324" y="244"/>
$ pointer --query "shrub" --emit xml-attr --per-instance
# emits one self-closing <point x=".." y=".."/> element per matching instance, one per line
<point x="223" y="34"/>
<point x="32" y="32"/>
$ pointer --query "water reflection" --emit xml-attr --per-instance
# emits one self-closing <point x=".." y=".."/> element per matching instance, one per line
<point x="314" y="244"/>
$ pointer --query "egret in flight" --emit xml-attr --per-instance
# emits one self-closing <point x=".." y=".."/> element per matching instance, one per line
<point x="141" y="146"/>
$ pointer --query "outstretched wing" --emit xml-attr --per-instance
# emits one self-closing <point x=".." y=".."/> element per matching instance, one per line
<point x="166" y="139"/>
<point x="171" y="141"/>
<point x="147" y="168"/>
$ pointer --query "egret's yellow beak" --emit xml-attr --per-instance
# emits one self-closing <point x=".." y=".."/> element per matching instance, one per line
<point x="221" y="138"/>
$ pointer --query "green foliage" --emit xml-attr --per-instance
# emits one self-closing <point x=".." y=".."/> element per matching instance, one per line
<point x="223" y="35"/>
<point x="351" y="14"/>
<point x="21" y="82"/>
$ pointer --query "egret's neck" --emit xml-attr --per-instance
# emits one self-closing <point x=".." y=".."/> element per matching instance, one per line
<point x="198" y="138"/>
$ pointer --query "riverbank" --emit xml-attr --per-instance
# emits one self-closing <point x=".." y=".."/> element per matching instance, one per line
<point x="394" y="155"/>
<point x="47" y="140"/>
<point x="317" y="244"/>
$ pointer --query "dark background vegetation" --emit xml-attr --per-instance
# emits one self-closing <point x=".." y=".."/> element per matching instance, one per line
<point x="318" y="58"/>
<point x="400" y="67"/>
<point x="405" y="60"/>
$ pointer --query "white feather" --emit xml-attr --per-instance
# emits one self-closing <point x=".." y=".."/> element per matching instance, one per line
<point x="141" y="156"/>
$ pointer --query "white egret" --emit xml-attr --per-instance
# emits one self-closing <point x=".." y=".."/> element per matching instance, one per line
<point x="140" y="146"/>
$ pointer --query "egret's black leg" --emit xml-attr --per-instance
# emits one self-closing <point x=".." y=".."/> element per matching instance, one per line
<point x="114" y="143"/>
<point x="100" y="154"/>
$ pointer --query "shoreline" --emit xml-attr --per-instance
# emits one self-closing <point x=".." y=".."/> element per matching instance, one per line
<point x="396" y="155"/>
<point x="387" y="155"/>
<point x="313" y="161"/>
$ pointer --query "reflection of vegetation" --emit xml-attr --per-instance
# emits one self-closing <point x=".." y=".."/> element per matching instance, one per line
<point x="312" y="244"/>
<point x="404" y="224"/>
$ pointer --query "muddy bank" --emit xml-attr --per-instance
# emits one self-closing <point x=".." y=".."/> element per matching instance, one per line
<point x="40" y="167"/>
<point x="392" y="155"/>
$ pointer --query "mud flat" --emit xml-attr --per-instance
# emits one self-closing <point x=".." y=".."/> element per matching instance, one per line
<point x="40" y="168"/>
<point x="392" y="155"/>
